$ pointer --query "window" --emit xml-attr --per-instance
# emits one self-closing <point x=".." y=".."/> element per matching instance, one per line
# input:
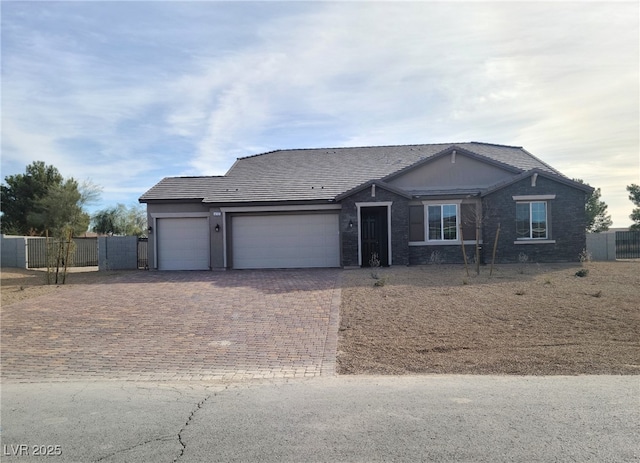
<point x="443" y="222"/>
<point x="416" y="223"/>
<point x="531" y="220"/>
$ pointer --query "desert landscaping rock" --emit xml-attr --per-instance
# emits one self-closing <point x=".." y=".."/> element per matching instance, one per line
<point x="533" y="319"/>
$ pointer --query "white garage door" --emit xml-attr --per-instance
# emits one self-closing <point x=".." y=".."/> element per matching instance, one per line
<point x="286" y="241"/>
<point x="183" y="243"/>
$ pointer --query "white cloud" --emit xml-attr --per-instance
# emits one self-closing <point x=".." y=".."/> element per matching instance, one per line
<point x="128" y="93"/>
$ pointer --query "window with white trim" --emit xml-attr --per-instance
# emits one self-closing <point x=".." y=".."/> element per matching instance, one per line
<point x="433" y="223"/>
<point x="531" y="220"/>
<point x="442" y="220"/>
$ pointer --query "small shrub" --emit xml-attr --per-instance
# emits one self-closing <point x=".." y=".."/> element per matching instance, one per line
<point x="380" y="282"/>
<point x="523" y="260"/>
<point x="597" y="293"/>
<point x="585" y="257"/>
<point x="374" y="263"/>
<point x="465" y="281"/>
<point x="583" y="272"/>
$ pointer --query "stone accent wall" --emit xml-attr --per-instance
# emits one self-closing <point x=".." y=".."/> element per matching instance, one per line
<point x="565" y="218"/>
<point x="423" y="255"/>
<point x="399" y="225"/>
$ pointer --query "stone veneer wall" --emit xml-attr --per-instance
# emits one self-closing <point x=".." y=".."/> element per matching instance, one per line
<point x="565" y="218"/>
<point x="449" y="254"/>
<point x="399" y="225"/>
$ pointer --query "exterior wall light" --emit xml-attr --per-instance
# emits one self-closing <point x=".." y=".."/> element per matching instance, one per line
<point x="150" y="230"/>
<point x="350" y="223"/>
<point x="217" y="229"/>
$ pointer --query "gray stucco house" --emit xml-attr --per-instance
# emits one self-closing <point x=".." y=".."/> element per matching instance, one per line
<point x="336" y="207"/>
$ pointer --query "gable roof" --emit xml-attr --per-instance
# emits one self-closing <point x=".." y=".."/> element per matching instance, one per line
<point x="377" y="183"/>
<point x="324" y="173"/>
<point x="558" y="178"/>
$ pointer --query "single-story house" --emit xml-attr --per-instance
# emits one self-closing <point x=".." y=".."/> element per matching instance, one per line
<point x="338" y="207"/>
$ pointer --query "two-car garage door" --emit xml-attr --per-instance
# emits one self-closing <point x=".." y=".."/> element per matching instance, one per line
<point x="285" y="241"/>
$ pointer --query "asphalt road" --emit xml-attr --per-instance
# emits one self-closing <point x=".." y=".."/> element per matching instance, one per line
<point x="352" y="419"/>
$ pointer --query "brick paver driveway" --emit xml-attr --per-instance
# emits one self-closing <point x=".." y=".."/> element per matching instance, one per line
<point x="177" y="325"/>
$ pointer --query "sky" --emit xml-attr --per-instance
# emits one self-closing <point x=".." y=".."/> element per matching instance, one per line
<point x="124" y="93"/>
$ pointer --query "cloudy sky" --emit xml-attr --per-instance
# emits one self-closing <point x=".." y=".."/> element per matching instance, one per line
<point x="123" y="93"/>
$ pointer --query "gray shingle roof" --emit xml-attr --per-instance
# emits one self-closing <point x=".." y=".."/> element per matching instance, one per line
<point x="322" y="174"/>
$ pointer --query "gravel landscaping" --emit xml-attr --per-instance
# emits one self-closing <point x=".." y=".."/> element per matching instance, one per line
<point x="526" y="319"/>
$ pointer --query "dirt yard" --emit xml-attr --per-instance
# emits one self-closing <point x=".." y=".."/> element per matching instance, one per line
<point x="525" y="319"/>
<point x="18" y="284"/>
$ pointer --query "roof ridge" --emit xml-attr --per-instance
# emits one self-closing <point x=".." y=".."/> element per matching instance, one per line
<point x="196" y="176"/>
<point x="350" y="147"/>
<point x="380" y="146"/>
<point x="496" y="144"/>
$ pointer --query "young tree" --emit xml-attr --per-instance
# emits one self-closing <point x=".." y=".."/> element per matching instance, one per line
<point x="59" y="209"/>
<point x="121" y="220"/>
<point x="634" y="196"/>
<point x="598" y="220"/>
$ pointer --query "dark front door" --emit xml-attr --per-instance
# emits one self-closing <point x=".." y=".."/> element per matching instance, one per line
<point x="374" y="235"/>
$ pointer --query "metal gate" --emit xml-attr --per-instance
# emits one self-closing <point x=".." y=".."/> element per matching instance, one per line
<point x="143" y="259"/>
<point x="85" y="254"/>
<point x="627" y="244"/>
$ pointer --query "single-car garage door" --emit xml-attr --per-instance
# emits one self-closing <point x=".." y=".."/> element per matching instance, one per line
<point x="183" y="243"/>
<point x="286" y="241"/>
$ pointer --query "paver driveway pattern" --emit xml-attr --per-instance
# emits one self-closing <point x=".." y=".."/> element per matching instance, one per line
<point x="177" y="325"/>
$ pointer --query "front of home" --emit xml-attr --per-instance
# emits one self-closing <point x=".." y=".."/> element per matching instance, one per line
<point x="339" y="207"/>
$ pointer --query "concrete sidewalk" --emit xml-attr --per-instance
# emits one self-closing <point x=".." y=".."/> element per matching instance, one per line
<point x="341" y="419"/>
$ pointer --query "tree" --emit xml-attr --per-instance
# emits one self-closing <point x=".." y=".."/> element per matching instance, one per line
<point x="59" y="209"/>
<point x="598" y="220"/>
<point x="634" y="196"/>
<point x="21" y="192"/>
<point x="120" y="220"/>
<point x="42" y="202"/>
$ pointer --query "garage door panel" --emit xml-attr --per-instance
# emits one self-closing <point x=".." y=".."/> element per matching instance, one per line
<point x="286" y="241"/>
<point x="183" y="243"/>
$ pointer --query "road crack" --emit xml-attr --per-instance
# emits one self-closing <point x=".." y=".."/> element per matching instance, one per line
<point x="199" y="405"/>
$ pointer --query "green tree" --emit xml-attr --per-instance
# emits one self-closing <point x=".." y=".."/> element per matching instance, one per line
<point x="598" y="220"/>
<point x="59" y="209"/>
<point x="41" y="201"/>
<point x="20" y="193"/>
<point x="120" y="220"/>
<point x="634" y="196"/>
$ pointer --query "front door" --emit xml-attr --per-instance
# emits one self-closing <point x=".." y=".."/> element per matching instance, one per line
<point x="374" y="235"/>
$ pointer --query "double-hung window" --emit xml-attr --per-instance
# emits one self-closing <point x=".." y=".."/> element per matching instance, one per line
<point x="531" y="220"/>
<point x="443" y="222"/>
